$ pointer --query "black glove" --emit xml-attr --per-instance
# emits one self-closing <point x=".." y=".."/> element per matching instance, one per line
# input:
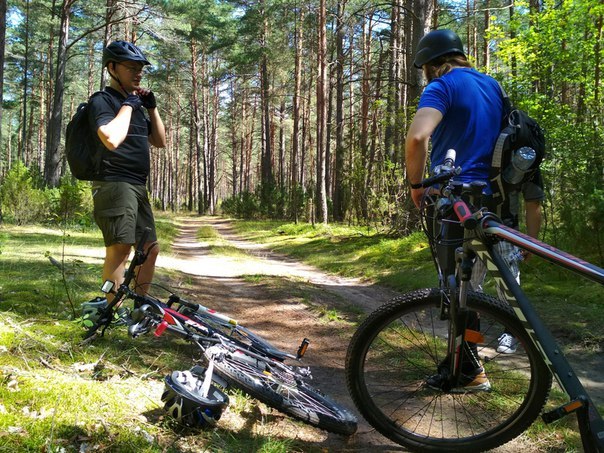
<point x="148" y="100"/>
<point x="133" y="101"/>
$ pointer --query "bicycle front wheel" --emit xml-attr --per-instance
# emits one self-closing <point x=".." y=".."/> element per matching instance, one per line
<point x="281" y="388"/>
<point x="401" y="344"/>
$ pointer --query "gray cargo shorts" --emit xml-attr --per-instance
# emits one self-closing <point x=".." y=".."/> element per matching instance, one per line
<point x="122" y="211"/>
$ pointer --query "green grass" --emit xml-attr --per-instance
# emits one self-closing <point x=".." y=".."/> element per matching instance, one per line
<point x="59" y="395"/>
<point x="349" y="251"/>
<point x="571" y="305"/>
<point x="56" y="393"/>
<point x="218" y="246"/>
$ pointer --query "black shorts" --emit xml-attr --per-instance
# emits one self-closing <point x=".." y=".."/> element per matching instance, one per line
<point x="122" y="211"/>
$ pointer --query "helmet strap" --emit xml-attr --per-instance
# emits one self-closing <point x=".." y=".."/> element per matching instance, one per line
<point x="117" y="79"/>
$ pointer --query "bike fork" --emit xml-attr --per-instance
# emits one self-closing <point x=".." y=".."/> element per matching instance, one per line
<point x="464" y="326"/>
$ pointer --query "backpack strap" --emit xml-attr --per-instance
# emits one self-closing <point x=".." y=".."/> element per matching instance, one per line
<point x="98" y="158"/>
<point x="497" y="160"/>
<point x="496" y="179"/>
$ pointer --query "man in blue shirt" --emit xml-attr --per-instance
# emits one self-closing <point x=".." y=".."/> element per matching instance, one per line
<point x="460" y="109"/>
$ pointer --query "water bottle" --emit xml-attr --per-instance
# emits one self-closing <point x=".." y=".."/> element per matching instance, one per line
<point x="521" y="161"/>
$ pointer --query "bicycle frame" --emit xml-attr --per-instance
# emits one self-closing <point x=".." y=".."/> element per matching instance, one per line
<point x="480" y="242"/>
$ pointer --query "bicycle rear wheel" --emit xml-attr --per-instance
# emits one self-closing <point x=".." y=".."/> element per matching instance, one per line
<point x="278" y="387"/>
<point x="401" y="344"/>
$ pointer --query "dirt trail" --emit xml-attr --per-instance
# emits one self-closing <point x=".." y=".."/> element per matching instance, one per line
<point x="278" y="316"/>
<point x="279" y="313"/>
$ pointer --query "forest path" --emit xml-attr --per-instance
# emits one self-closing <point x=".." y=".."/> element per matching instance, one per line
<point x="270" y="294"/>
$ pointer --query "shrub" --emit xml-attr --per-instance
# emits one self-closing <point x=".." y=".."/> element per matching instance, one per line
<point x="71" y="202"/>
<point x="245" y="205"/>
<point x="20" y="200"/>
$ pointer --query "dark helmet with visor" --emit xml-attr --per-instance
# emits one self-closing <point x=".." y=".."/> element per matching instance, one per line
<point x="436" y="44"/>
<point x="185" y="400"/>
<point x="119" y="51"/>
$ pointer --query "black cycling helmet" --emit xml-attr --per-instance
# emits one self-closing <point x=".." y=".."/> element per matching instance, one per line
<point x="123" y="51"/>
<point x="183" y="400"/>
<point x="435" y="44"/>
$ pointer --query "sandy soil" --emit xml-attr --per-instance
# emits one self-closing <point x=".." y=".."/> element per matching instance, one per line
<point x="278" y="309"/>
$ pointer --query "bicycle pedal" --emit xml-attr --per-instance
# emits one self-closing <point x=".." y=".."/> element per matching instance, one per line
<point x="564" y="410"/>
<point x="302" y="349"/>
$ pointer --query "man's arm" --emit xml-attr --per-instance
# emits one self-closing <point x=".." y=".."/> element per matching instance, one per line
<point x="115" y="131"/>
<point x="416" y="147"/>
<point x="533" y="217"/>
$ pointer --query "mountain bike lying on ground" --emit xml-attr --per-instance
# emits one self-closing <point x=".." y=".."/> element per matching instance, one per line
<point x="233" y="355"/>
<point x="424" y="369"/>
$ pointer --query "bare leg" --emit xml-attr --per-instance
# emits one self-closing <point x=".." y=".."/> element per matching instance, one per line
<point x="114" y="266"/>
<point x="145" y="272"/>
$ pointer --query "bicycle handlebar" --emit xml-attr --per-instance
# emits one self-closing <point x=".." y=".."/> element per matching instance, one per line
<point x="444" y="174"/>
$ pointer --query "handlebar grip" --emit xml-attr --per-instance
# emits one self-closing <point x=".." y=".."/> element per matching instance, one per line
<point x="175" y="298"/>
<point x="441" y="177"/>
<point x="464" y="214"/>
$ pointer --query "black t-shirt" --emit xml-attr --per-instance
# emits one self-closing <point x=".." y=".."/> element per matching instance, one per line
<point x="130" y="162"/>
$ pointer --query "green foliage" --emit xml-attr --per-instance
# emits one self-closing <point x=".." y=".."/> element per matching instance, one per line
<point x="20" y="201"/>
<point x="71" y="202"/>
<point x="23" y="201"/>
<point x="245" y="205"/>
<point x="363" y="252"/>
<point x="551" y="68"/>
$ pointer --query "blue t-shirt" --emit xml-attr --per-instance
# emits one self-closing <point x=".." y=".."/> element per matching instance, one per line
<point x="472" y="110"/>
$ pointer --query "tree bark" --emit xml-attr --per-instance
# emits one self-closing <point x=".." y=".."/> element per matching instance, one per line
<point x="294" y="191"/>
<point x="321" y="196"/>
<point x="339" y="208"/>
<point x="2" y="52"/>
<point x="53" y="135"/>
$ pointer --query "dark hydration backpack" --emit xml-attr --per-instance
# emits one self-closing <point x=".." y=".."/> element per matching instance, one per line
<point x="518" y="132"/>
<point x="83" y="148"/>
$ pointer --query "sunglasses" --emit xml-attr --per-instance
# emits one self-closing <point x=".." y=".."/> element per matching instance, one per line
<point x="134" y="69"/>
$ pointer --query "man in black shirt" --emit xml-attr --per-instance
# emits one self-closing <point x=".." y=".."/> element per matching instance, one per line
<point x="121" y="204"/>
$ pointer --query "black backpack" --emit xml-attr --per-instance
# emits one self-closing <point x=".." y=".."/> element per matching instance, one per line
<point x="83" y="148"/>
<point x="518" y="130"/>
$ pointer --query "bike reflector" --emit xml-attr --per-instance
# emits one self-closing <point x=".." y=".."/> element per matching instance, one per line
<point x="473" y="336"/>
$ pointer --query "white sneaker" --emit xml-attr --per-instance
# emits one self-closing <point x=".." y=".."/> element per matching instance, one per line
<point x="507" y="344"/>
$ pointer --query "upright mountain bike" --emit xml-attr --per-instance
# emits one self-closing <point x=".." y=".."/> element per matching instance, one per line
<point x="406" y="365"/>
<point x="233" y="355"/>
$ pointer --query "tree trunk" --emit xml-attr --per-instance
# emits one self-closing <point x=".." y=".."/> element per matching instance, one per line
<point x="295" y="202"/>
<point x="213" y="148"/>
<point x="2" y="52"/>
<point x="234" y="139"/>
<point x="22" y="151"/>
<point x="282" y="186"/>
<point x="339" y="209"/>
<point x="196" y="151"/>
<point x="204" y="122"/>
<point x="53" y="135"/>
<point x="362" y="188"/>
<point x="321" y="114"/>
<point x="486" y="52"/>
